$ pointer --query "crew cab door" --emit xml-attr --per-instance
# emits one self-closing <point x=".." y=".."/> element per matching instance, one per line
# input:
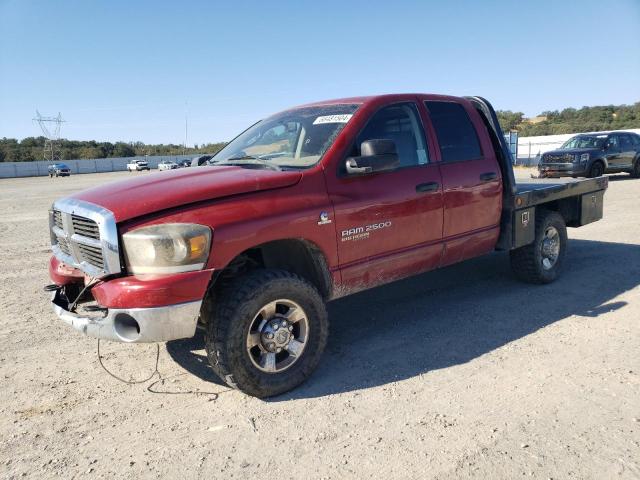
<point x="389" y="223"/>
<point x="628" y="150"/>
<point x="471" y="179"/>
<point x="613" y="152"/>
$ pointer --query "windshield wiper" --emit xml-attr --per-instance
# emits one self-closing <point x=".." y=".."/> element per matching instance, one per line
<point x="247" y="160"/>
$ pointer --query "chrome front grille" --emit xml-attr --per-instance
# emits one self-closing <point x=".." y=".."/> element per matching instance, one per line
<point x="84" y="236"/>
<point x="92" y="255"/>
<point x="63" y="243"/>
<point x="558" y="158"/>
<point x="85" y="227"/>
<point x="57" y="219"/>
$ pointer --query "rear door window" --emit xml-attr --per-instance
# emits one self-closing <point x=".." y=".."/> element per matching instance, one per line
<point x="456" y="134"/>
<point x="626" y="143"/>
<point x="613" y="144"/>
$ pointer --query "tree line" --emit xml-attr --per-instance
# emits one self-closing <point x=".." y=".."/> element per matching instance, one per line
<point x="571" y="120"/>
<point x="32" y="148"/>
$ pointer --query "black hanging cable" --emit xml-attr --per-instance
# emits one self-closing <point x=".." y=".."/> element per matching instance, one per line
<point x="160" y="378"/>
<point x="91" y="283"/>
<point x="132" y="382"/>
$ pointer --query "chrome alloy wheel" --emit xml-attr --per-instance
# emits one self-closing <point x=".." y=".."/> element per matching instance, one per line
<point x="277" y="336"/>
<point x="550" y="248"/>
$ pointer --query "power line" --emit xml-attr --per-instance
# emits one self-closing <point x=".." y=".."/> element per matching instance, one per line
<point x="52" y="135"/>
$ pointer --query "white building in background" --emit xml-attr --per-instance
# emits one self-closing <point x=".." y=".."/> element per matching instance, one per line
<point x="530" y="148"/>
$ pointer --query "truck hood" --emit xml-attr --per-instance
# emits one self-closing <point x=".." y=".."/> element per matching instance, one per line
<point x="147" y="194"/>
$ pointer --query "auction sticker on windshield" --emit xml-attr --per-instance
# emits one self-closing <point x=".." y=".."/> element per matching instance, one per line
<point x="343" y="118"/>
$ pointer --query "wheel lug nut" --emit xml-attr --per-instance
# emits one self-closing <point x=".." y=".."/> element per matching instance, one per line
<point x="284" y="324"/>
<point x="276" y="326"/>
<point x="269" y="335"/>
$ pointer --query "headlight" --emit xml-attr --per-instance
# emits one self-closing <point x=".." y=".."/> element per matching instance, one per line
<point x="167" y="248"/>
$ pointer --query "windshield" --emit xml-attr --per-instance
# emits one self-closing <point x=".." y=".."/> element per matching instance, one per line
<point x="585" y="141"/>
<point x="296" y="138"/>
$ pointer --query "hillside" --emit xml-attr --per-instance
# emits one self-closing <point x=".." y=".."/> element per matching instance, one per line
<point x="31" y="148"/>
<point x="571" y="120"/>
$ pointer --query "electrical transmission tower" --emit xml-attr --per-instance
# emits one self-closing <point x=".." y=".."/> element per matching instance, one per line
<point x="52" y="135"/>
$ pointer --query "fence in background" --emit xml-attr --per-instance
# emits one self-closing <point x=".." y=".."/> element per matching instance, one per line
<point x="98" y="165"/>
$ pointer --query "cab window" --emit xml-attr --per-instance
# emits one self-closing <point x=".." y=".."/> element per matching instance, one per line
<point x="613" y="144"/>
<point x="626" y="143"/>
<point x="401" y="123"/>
<point x="456" y="134"/>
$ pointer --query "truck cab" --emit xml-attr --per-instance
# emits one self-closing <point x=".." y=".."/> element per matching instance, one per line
<point x="308" y="205"/>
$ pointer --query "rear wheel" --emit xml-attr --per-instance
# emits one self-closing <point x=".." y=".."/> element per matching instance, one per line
<point x="597" y="170"/>
<point x="541" y="261"/>
<point x="266" y="332"/>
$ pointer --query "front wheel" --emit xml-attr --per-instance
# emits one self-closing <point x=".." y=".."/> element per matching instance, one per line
<point x="266" y="332"/>
<point x="597" y="170"/>
<point x="541" y="261"/>
<point x="635" y="173"/>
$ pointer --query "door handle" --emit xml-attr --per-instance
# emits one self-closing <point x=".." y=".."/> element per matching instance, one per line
<point x="487" y="177"/>
<point x="427" y="187"/>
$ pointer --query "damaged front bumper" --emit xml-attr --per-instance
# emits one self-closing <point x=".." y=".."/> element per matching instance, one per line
<point x="561" y="169"/>
<point x="132" y="325"/>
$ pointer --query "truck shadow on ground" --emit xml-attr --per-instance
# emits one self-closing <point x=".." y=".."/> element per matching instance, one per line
<point x="449" y="317"/>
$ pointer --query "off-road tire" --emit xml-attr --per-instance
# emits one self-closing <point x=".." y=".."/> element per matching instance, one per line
<point x="229" y="316"/>
<point x="526" y="262"/>
<point x="596" y="170"/>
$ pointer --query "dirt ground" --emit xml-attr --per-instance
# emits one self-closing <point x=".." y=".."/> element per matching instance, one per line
<point x="461" y="373"/>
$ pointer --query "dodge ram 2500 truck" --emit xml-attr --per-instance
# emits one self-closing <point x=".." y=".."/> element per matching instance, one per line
<point x="308" y="205"/>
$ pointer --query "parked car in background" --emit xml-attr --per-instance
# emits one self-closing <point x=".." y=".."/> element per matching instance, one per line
<point x="201" y="160"/>
<point x="138" y="165"/>
<point x="184" y="163"/>
<point x="592" y="155"/>
<point x="167" y="165"/>
<point x="58" y="170"/>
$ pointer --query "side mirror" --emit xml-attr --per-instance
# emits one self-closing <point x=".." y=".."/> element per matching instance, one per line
<point x="376" y="155"/>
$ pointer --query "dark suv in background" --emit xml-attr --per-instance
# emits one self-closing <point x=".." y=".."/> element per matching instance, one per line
<point x="591" y="155"/>
<point x="58" y="170"/>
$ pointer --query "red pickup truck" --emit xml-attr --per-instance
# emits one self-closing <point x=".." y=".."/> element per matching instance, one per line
<point x="308" y="205"/>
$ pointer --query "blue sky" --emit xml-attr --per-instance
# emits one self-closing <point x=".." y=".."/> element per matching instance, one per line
<point x="128" y="70"/>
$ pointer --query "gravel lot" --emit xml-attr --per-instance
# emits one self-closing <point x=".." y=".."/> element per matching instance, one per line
<point x="462" y="373"/>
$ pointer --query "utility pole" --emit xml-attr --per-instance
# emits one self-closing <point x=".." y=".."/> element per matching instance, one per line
<point x="186" y="128"/>
<point x="52" y="135"/>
